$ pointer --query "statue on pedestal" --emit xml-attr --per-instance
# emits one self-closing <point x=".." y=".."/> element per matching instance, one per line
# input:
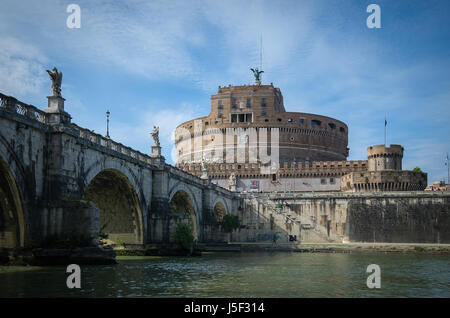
<point x="204" y="169"/>
<point x="204" y="164"/>
<point x="232" y="182"/>
<point x="155" y="135"/>
<point x="56" y="78"/>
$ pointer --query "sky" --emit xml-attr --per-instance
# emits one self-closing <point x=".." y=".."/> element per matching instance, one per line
<point x="158" y="62"/>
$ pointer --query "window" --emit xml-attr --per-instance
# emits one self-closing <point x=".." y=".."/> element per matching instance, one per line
<point x="279" y="120"/>
<point x="315" y="122"/>
<point x="219" y="114"/>
<point x="263" y="112"/>
<point x="242" y="118"/>
<point x="266" y="120"/>
<point x="331" y="126"/>
<point x="249" y="102"/>
<point x="234" y="103"/>
<point x="219" y="104"/>
<point x="323" y="181"/>
<point x="290" y="120"/>
<point x="302" y="121"/>
<point x="341" y="129"/>
<point x="332" y="181"/>
<point x="263" y="102"/>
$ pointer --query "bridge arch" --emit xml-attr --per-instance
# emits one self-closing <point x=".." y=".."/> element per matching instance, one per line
<point x="182" y="201"/>
<point x="109" y="164"/>
<point x="220" y="209"/>
<point x="120" y="213"/>
<point x="12" y="225"/>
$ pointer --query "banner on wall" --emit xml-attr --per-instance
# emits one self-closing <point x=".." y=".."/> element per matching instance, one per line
<point x="254" y="185"/>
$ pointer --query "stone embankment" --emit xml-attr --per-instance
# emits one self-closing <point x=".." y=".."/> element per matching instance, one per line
<point x="91" y="255"/>
<point x="346" y="248"/>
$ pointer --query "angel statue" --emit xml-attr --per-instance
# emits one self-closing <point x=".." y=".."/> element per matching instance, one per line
<point x="257" y="74"/>
<point x="155" y="135"/>
<point x="203" y="164"/>
<point x="56" y="78"/>
<point x="232" y="180"/>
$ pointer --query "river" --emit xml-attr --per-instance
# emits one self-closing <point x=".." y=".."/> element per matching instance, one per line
<point x="240" y="275"/>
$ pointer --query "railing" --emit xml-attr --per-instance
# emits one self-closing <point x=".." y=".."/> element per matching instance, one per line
<point x="112" y="145"/>
<point x="29" y="111"/>
<point x="179" y="172"/>
<point x="176" y="171"/>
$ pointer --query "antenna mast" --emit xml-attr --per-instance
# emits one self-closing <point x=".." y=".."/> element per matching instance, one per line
<point x="260" y="54"/>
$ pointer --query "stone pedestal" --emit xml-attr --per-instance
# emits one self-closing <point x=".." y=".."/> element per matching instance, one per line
<point x="55" y="110"/>
<point x="204" y="174"/>
<point x="156" y="151"/>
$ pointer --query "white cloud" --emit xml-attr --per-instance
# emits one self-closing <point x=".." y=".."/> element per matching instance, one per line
<point x="21" y="67"/>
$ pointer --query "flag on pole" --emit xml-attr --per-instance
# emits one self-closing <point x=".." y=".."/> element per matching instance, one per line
<point x="385" y="122"/>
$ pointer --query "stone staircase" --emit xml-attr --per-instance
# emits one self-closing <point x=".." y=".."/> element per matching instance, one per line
<point x="289" y="221"/>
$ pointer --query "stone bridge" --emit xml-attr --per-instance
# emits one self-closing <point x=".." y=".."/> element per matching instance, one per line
<point x="57" y="178"/>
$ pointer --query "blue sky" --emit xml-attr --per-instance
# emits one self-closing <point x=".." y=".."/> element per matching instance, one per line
<point x="158" y="62"/>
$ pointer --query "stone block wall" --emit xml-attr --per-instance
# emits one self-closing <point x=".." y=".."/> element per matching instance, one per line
<point x="387" y="217"/>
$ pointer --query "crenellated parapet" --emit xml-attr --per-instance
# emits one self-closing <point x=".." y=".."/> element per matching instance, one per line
<point x="381" y="157"/>
<point x="288" y="170"/>
<point x="387" y="180"/>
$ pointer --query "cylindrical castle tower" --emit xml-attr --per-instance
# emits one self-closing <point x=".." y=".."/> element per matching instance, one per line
<point x="382" y="158"/>
<point x="259" y="109"/>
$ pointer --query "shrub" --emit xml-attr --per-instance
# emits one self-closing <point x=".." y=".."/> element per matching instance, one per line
<point x="119" y="242"/>
<point x="183" y="235"/>
<point x="230" y="223"/>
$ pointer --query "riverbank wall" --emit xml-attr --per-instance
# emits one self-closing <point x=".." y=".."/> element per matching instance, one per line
<point x="381" y="217"/>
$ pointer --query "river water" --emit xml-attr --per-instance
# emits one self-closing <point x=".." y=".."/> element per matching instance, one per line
<point x="240" y="275"/>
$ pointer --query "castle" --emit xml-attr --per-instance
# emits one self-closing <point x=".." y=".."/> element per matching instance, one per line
<point x="308" y="152"/>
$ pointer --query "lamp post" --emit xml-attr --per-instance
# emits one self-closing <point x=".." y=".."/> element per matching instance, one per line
<point x="107" y="123"/>
<point x="448" y="170"/>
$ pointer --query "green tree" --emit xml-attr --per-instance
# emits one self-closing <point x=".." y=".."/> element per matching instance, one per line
<point x="183" y="235"/>
<point x="417" y="169"/>
<point x="229" y="224"/>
